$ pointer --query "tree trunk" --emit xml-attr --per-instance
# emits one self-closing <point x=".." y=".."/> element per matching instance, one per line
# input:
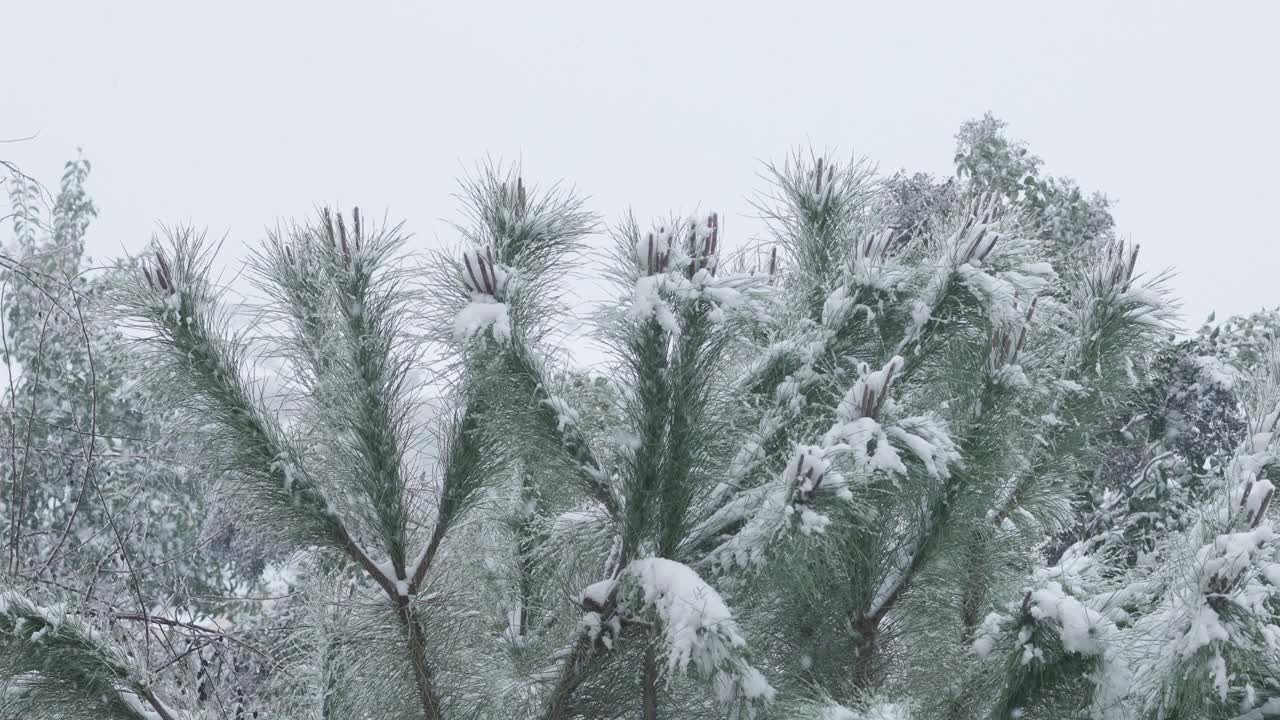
<point x="975" y="590"/>
<point x="864" y="668"/>
<point x="421" y="669"/>
<point x="650" y="689"/>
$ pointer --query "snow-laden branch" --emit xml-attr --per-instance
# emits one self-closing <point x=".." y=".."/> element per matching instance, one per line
<point x="858" y="442"/>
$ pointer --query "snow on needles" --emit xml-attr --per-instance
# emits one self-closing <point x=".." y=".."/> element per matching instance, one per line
<point x="479" y="315"/>
<point x="858" y="438"/>
<point x="682" y="266"/>
<point x="1206" y="615"/>
<point x="487" y="282"/>
<point x="699" y="628"/>
<point x="874" y="711"/>
<point x="1078" y="625"/>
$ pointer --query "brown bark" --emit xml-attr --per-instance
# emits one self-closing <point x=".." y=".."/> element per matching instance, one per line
<point x="422" y="675"/>
<point x="559" y="705"/>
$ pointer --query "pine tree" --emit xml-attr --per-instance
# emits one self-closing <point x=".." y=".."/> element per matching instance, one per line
<point x="846" y="475"/>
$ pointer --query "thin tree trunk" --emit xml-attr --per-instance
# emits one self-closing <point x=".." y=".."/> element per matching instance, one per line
<point x="864" y="668"/>
<point x="524" y="554"/>
<point x="650" y="689"/>
<point x="975" y="590"/>
<point x="560" y="704"/>
<point x="421" y="669"/>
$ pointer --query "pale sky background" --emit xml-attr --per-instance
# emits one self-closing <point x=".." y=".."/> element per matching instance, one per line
<point x="232" y="115"/>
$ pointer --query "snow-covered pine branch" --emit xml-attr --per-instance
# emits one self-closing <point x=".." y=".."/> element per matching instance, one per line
<point x="262" y="469"/>
<point x="51" y="657"/>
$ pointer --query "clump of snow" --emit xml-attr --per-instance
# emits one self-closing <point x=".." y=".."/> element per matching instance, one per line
<point x="1080" y="628"/>
<point x="873" y="447"/>
<point x="988" y="633"/>
<point x="1143" y="296"/>
<point x="691" y="611"/>
<point x="1005" y="293"/>
<point x="487" y="282"/>
<point x="868" y="394"/>
<point x="481" y="314"/>
<point x="874" y="263"/>
<point x="866" y="442"/>
<point x="1255" y="498"/>
<point x="597" y="595"/>
<point x="648" y="302"/>
<point x="592" y="623"/>
<point x="838" y="712"/>
<point x="699" y="629"/>
<point x="751" y="453"/>
<point x="812" y="522"/>
<point x="173" y="304"/>
<point x="873" y="711"/>
<point x="1268" y="709"/>
<point x="805" y="471"/>
<point x="279" y="580"/>
<point x="1011" y="376"/>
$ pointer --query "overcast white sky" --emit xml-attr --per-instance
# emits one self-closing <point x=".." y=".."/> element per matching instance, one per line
<point x="233" y="114"/>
